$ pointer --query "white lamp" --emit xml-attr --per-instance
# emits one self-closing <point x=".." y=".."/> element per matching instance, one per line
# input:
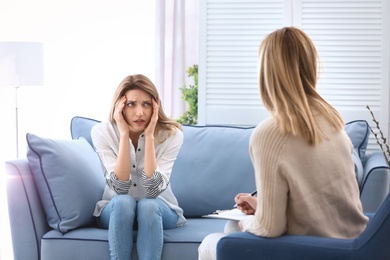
<point x="21" y="64"/>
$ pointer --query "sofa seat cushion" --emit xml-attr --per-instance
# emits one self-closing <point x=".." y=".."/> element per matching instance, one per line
<point x="69" y="180"/>
<point x="179" y="243"/>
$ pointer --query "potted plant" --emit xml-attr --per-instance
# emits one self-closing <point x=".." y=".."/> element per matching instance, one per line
<point x="190" y="95"/>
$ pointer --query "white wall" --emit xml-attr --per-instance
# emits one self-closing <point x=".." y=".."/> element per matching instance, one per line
<point x="89" y="47"/>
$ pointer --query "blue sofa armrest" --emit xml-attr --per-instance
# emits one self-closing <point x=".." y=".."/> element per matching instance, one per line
<point x="27" y="216"/>
<point x="376" y="181"/>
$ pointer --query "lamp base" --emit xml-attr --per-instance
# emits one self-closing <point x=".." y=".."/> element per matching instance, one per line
<point x="16" y="122"/>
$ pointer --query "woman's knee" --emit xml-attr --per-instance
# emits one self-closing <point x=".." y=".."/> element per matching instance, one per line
<point x="148" y="207"/>
<point x="124" y="205"/>
<point x="231" y="226"/>
<point x="208" y="248"/>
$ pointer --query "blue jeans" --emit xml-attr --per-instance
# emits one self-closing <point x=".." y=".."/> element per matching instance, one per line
<point x="152" y="215"/>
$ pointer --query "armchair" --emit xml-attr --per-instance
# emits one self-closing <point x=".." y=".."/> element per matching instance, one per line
<point x="373" y="243"/>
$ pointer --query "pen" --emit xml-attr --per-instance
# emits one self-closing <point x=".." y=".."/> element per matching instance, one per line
<point x="252" y="194"/>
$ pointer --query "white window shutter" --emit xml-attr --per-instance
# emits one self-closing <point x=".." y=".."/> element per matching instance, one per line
<point x="352" y="38"/>
<point x="230" y="34"/>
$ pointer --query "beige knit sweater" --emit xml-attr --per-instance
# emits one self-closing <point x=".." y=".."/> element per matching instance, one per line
<point x="303" y="189"/>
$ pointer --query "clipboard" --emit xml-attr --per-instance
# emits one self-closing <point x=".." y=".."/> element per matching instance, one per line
<point x="229" y="214"/>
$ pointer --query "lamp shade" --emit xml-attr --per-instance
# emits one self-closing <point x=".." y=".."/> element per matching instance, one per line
<point x="21" y="64"/>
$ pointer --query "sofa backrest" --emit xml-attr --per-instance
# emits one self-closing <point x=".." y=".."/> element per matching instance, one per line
<point x="81" y="127"/>
<point x="212" y="166"/>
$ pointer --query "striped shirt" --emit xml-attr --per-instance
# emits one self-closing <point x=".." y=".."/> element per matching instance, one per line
<point x="105" y="137"/>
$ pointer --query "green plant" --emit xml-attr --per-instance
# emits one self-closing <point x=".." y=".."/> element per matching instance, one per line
<point x="190" y="95"/>
<point x="384" y="144"/>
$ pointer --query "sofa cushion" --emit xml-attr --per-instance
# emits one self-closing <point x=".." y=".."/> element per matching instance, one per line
<point x="359" y="171"/>
<point x="81" y="127"/>
<point x="212" y="167"/>
<point x="179" y="243"/>
<point x="69" y="179"/>
<point x="359" y="132"/>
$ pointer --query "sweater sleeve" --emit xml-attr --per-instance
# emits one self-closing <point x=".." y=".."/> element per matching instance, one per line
<point x="270" y="219"/>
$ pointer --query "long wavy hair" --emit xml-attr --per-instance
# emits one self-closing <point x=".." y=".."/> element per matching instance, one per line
<point x="141" y="82"/>
<point x="288" y="63"/>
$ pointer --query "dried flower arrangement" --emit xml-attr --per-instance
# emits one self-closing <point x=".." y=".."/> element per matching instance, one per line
<point x="384" y="143"/>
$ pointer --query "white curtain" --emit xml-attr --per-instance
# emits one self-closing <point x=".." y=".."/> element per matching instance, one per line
<point x="177" y="48"/>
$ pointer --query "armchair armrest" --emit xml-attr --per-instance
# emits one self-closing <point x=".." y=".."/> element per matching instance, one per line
<point x="371" y="244"/>
<point x="244" y="245"/>
<point x="376" y="181"/>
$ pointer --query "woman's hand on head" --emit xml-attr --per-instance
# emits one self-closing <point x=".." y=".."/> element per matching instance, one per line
<point x="246" y="203"/>
<point x="119" y="118"/>
<point x="149" y="131"/>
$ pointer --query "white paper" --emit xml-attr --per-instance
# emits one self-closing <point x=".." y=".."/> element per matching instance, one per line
<point x="231" y="214"/>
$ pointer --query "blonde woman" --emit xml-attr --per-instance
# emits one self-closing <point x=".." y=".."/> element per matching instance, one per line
<point x="304" y="171"/>
<point x="137" y="147"/>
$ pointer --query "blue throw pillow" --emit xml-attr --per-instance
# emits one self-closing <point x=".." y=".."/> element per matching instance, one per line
<point x="359" y="132"/>
<point x="69" y="179"/>
<point x="359" y="172"/>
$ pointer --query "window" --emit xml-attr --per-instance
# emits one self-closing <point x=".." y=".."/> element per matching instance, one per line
<point x="351" y="38"/>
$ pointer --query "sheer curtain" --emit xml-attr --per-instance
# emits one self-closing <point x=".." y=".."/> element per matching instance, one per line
<point x="177" y="48"/>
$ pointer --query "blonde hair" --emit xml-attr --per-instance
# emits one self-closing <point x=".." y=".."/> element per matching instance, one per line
<point x="287" y="82"/>
<point x="141" y="82"/>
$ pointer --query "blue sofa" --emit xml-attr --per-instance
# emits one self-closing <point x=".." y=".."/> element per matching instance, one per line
<point x="51" y="214"/>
